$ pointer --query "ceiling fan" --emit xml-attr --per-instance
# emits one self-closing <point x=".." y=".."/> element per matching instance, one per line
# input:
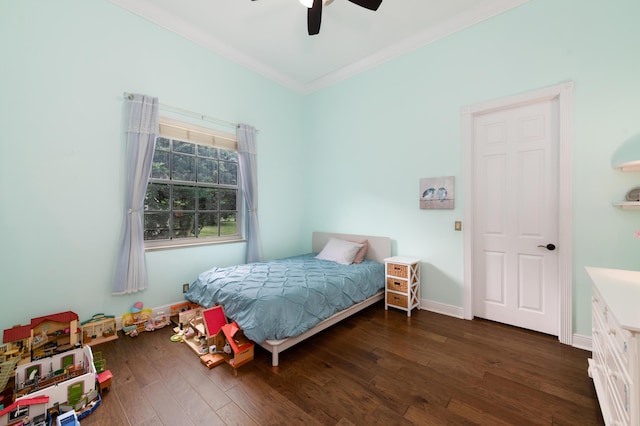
<point x="314" y="11"/>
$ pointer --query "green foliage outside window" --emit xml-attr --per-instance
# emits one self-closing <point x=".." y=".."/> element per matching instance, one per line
<point x="192" y="192"/>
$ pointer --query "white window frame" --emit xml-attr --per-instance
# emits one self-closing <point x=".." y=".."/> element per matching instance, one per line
<point x="187" y="132"/>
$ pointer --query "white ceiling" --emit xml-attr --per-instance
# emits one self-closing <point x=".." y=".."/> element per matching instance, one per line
<point x="270" y="36"/>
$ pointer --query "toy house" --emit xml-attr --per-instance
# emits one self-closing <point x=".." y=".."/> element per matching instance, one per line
<point x="68" y="379"/>
<point x="52" y="334"/>
<point x="44" y="336"/>
<point x="241" y="347"/>
<point x="32" y="411"/>
<point x="202" y="332"/>
<point x="141" y="319"/>
<point x="60" y="377"/>
<point x="209" y="334"/>
<point x="99" y="329"/>
<point x="179" y="312"/>
<point x="16" y="342"/>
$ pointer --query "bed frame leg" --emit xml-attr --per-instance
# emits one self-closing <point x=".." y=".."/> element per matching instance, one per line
<point x="274" y="357"/>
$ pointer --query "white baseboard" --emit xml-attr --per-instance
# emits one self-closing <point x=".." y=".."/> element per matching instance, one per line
<point x="582" y="342"/>
<point x="579" y="341"/>
<point x="442" y="308"/>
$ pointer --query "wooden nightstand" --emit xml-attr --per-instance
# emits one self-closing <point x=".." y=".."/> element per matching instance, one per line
<point x="402" y="289"/>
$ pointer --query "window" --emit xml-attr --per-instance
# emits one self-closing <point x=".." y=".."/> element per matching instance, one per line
<point x="193" y="192"/>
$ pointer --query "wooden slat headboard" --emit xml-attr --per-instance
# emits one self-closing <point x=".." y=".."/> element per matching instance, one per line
<point x="379" y="247"/>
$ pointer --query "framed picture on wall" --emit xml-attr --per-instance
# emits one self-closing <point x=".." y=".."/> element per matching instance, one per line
<point x="437" y="193"/>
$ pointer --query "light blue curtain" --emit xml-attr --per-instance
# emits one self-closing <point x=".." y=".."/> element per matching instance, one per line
<point x="248" y="161"/>
<point x="141" y="127"/>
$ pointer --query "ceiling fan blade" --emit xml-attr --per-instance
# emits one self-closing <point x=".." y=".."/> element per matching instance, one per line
<point x="314" y="17"/>
<point x="368" y="4"/>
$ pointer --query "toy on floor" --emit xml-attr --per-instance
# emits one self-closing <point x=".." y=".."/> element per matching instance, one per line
<point x="141" y="319"/>
<point x="49" y="388"/>
<point x="104" y="380"/>
<point x="67" y="419"/>
<point x="98" y="329"/>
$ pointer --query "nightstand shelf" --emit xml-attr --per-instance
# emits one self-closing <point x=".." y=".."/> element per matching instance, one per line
<point x="402" y="283"/>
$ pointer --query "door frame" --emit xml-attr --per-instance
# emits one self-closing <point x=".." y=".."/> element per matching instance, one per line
<point x="564" y="94"/>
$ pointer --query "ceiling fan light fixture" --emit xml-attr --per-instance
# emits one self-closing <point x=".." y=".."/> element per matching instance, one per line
<point x="309" y="3"/>
<point x="314" y="11"/>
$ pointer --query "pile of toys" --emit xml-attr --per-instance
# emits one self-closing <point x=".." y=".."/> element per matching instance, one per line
<point x="208" y="333"/>
<point x="140" y="319"/>
<point x="47" y="373"/>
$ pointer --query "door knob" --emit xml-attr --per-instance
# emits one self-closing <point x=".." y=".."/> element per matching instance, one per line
<point x="549" y="247"/>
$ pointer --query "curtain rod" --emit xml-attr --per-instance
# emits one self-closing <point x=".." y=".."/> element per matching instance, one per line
<point x="190" y="113"/>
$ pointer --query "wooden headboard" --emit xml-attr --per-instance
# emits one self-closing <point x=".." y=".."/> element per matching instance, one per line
<point x="379" y="247"/>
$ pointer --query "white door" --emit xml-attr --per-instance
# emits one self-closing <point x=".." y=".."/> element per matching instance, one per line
<point x="515" y="184"/>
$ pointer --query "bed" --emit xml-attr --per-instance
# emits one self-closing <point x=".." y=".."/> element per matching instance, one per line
<point x="285" y="301"/>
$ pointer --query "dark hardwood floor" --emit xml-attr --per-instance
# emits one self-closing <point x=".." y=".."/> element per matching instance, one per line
<point x="375" y="368"/>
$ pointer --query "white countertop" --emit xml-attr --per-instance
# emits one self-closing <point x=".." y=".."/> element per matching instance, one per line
<point x="621" y="292"/>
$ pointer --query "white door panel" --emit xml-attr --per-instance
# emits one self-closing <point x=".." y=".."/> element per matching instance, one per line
<point x="495" y="289"/>
<point x="531" y="283"/>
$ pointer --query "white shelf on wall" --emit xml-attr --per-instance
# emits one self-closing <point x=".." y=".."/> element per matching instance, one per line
<point x="628" y="205"/>
<point x="630" y="166"/>
<point x="627" y="159"/>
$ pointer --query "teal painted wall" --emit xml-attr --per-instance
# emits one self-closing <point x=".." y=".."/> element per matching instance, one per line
<point x="374" y="136"/>
<point x="65" y="66"/>
<point x="346" y="159"/>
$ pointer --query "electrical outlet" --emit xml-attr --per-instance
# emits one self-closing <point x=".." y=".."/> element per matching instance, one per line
<point x="185" y="287"/>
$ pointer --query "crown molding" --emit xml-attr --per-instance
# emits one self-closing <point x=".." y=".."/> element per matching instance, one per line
<point x="424" y="38"/>
<point x="148" y="10"/>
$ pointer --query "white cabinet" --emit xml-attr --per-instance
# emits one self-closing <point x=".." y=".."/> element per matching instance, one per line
<point x="402" y="288"/>
<point x="615" y="333"/>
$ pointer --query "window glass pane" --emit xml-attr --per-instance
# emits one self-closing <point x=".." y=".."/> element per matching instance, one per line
<point x="184" y="147"/>
<point x="208" y="224"/>
<point x="156" y="226"/>
<point x="192" y="192"/>
<point x="207" y="199"/>
<point x="228" y="173"/>
<point x="227" y="199"/>
<point x="207" y="170"/>
<point x="157" y="197"/>
<point x="184" y="197"/>
<point x="160" y="166"/>
<point x="228" y="155"/>
<point x="184" y="225"/>
<point x="163" y="144"/>
<point x="228" y="224"/>
<point x="183" y="167"/>
<point x="207" y="151"/>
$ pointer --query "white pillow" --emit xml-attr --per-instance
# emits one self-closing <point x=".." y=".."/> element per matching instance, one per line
<point x="339" y="251"/>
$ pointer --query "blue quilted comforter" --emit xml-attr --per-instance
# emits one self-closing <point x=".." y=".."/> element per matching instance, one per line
<point x="285" y="297"/>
